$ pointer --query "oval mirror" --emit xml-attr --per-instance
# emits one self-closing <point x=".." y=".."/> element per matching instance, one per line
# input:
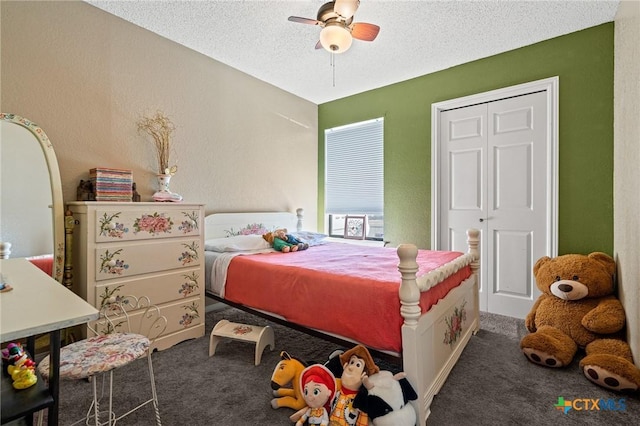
<point x="31" y="206"/>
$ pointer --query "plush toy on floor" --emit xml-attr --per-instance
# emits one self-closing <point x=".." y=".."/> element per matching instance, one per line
<point x="287" y="372"/>
<point x="578" y="309"/>
<point x="355" y="364"/>
<point x="286" y="243"/>
<point x="385" y="398"/>
<point x="318" y="386"/>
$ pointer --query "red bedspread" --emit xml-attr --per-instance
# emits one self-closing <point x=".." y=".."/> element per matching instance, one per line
<point x="344" y="289"/>
<point x="44" y="262"/>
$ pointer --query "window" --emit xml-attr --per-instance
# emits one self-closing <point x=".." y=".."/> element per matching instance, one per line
<point x="354" y="176"/>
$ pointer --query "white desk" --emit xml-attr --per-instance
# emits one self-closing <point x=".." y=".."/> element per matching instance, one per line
<point x="37" y="304"/>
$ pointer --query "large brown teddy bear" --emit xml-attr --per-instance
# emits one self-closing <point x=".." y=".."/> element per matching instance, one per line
<point x="578" y="309"/>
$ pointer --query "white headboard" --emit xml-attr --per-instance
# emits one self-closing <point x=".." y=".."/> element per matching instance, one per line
<point x="219" y="225"/>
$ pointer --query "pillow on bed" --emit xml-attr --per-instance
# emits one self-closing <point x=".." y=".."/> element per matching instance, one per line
<point x="311" y="238"/>
<point x="236" y="243"/>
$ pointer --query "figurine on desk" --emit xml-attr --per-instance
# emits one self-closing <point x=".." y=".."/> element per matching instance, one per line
<point x="20" y="366"/>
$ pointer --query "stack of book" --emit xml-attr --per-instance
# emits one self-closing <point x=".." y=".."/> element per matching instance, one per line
<point x="111" y="184"/>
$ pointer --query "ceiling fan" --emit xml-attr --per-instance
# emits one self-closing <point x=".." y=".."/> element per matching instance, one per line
<point x="338" y="28"/>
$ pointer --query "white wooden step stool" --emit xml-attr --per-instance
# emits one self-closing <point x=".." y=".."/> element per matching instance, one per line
<point x="224" y="329"/>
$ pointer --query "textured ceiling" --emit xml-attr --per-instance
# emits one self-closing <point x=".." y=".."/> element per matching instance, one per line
<point x="416" y="37"/>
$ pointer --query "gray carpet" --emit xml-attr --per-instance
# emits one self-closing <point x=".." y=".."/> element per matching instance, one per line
<point x="492" y="384"/>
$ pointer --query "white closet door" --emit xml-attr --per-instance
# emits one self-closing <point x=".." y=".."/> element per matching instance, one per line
<point x="463" y="180"/>
<point x="495" y="176"/>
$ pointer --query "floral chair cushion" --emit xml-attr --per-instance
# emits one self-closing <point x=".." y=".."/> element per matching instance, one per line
<point x="97" y="354"/>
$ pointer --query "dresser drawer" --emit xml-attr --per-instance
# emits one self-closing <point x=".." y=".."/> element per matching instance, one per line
<point x="159" y="288"/>
<point x="144" y="224"/>
<point x="181" y="315"/>
<point x="116" y="261"/>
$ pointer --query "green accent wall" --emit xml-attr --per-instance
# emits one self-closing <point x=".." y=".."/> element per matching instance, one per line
<point x="583" y="61"/>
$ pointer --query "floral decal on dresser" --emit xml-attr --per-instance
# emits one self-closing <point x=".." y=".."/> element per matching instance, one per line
<point x="155" y="224"/>
<point x="190" y="254"/>
<point x="111" y="228"/>
<point x="112" y="265"/>
<point x="110" y="295"/>
<point x="189" y="223"/>
<point x="110" y="300"/>
<point x="191" y="313"/>
<point x="190" y="284"/>
<point x="454" y="324"/>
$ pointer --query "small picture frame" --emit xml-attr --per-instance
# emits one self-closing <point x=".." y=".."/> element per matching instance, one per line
<point x="355" y="227"/>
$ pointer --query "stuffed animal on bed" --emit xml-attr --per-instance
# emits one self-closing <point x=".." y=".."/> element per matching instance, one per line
<point x="293" y="240"/>
<point x="385" y="398"/>
<point x="578" y="309"/>
<point x="286" y="243"/>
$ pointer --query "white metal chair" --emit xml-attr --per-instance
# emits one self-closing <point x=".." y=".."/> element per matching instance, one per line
<point x="125" y="332"/>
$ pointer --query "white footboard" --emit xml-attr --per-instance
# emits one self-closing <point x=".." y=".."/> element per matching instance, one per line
<point x="432" y="342"/>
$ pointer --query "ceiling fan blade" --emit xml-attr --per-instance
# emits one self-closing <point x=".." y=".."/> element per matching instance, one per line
<point x="304" y="20"/>
<point x="346" y="8"/>
<point x="364" y="31"/>
<point x="318" y="45"/>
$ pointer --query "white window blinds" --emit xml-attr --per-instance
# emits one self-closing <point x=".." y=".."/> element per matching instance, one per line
<point x="354" y="168"/>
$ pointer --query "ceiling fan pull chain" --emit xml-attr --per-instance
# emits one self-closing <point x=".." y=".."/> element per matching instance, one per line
<point x="333" y="68"/>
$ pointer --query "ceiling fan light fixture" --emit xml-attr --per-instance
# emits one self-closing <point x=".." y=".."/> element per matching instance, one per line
<point x="335" y="38"/>
<point x="346" y="8"/>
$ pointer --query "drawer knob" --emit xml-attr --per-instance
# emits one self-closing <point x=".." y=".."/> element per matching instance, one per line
<point x="112" y="263"/>
<point x="192" y="222"/>
<point x="112" y="225"/>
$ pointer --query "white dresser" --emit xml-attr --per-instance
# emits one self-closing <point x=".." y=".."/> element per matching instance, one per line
<point x="143" y="249"/>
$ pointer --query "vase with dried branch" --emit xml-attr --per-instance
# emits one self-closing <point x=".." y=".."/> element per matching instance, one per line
<point x="160" y="128"/>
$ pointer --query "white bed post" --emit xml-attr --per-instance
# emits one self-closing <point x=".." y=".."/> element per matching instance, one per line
<point x="409" y="292"/>
<point x="412" y="362"/>
<point x="473" y="240"/>
<point x="300" y="215"/>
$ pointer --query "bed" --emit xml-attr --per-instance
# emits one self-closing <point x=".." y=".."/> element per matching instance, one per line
<point x="419" y="306"/>
<point x="43" y="262"/>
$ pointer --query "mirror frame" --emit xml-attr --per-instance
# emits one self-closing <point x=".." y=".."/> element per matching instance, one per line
<point x="57" y="207"/>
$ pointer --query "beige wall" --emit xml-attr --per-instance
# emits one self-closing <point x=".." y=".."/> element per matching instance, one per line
<point x="627" y="161"/>
<point x="86" y="77"/>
